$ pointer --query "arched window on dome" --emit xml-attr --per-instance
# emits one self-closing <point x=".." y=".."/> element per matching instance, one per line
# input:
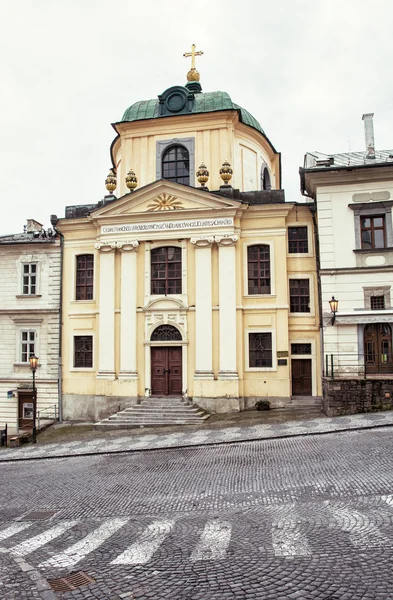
<point x="265" y="178"/>
<point x="175" y="163"/>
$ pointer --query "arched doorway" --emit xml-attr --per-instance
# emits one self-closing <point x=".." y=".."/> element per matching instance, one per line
<point x="166" y="362"/>
<point x="378" y="348"/>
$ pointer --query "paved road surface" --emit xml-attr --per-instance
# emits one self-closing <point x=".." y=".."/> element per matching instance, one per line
<point x="306" y="517"/>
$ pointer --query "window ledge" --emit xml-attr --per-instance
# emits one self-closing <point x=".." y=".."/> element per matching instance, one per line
<point x="372" y="250"/>
<point x="82" y="370"/>
<point x="82" y="301"/>
<point x="21" y="364"/>
<point x="259" y="295"/>
<point x="28" y="295"/>
<point x="300" y="254"/>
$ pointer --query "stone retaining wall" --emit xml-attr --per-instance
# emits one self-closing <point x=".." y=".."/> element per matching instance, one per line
<point x="350" y="396"/>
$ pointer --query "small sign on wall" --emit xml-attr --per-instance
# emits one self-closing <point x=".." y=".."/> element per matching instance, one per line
<point x="10" y="394"/>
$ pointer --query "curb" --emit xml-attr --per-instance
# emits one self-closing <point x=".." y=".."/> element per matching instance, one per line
<point x="37" y="579"/>
<point x="197" y="445"/>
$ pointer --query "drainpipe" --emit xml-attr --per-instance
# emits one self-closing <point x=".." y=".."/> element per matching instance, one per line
<point x="54" y="221"/>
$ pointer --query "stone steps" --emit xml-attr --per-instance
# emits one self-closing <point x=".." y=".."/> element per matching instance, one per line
<point x="155" y="411"/>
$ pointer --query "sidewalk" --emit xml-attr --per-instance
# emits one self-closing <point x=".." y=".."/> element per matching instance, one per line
<point x="229" y="429"/>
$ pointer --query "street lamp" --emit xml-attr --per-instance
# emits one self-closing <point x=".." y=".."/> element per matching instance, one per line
<point x="334" y="308"/>
<point x="33" y="366"/>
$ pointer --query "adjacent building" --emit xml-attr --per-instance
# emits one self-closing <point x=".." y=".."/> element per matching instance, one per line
<point x="201" y="282"/>
<point x="29" y="324"/>
<point x="353" y="194"/>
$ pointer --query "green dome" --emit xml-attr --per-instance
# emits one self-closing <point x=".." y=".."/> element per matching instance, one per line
<point x="202" y="103"/>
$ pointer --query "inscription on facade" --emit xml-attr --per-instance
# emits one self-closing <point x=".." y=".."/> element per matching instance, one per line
<point x="169" y="225"/>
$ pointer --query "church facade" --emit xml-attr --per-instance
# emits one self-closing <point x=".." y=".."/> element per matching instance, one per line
<point x="198" y="280"/>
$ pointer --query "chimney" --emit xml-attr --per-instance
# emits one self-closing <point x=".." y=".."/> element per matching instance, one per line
<point x="33" y="226"/>
<point x="369" y="134"/>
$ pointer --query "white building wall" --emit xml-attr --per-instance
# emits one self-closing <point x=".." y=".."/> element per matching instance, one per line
<point x="41" y="313"/>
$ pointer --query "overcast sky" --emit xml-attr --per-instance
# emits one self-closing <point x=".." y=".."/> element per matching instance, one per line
<point x="307" y="70"/>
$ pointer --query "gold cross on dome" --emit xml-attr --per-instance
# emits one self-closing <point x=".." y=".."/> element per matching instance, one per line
<point x="193" y="54"/>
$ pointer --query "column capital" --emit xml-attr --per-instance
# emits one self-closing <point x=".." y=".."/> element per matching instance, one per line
<point x="202" y="242"/>
<point x="128" y="246"/>
<point x="226" y="240"/>
<point x="105" y="247"/>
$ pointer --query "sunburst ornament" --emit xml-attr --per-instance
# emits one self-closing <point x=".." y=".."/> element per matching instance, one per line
<point x="165" y="202"/>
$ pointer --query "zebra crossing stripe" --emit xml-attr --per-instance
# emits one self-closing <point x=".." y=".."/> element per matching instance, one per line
<point x="148" y="543"/>
<point x="43" y="538"/>
<point x="13" y="529"/>
<point x="75" y="553"/>
<point x="388" y="500"/>
<point x="213" y="542"/>
<point x="362" y="532"/>
<point x="288" y="540"/>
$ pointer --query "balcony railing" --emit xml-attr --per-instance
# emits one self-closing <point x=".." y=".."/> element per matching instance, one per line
<point x="358" y="365"/>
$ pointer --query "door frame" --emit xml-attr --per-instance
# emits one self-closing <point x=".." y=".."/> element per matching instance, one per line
<point x="178" y="343"/>
<point x="313" y="356"/>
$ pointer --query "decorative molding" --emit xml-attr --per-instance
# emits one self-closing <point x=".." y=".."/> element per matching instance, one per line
<point x="128" y="246"/>
<point x="203" y="242"/>
<point x="226" y="240"/>
<point x="165" y="202"/>
<point x="105" y="248"/>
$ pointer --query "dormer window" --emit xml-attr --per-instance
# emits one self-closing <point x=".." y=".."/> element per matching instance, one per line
<point x="176" y="164"/>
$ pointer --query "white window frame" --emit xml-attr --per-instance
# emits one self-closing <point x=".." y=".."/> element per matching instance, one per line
<point x="81" y="333"/>
<point x="311" y="290"/>
<point x="149" y="246"/>
<point x="37" y="278"/>
<point x="259" y="242"/>
<point x="27" y="330"/>
<point x="310" y="252"/>
<point x="247" y="350"/>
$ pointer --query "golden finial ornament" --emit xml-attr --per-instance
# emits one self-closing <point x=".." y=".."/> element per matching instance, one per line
<point x="193" y="74"/>
<point x="111" y="181"/>
<point x="131" y="180"/>
<point x="202" y="174"/>
<point x="226" y="172"/>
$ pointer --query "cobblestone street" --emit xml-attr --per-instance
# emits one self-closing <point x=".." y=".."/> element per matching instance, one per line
<point x="304" y="517"/>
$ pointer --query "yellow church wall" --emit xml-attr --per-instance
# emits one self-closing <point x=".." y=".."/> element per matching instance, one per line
<point x="218" y="137"/>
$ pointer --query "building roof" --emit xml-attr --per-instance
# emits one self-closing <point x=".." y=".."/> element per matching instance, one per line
<point x="204" y="103"/>
<point x="27" y="238"/>
<point x="318" y="160"/>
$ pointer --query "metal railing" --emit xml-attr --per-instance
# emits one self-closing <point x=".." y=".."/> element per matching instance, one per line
<point x="50" y="413"/>
<point x="357" y="365"/>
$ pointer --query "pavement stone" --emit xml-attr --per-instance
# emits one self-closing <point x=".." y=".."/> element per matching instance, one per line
<point x="141" y="442"/>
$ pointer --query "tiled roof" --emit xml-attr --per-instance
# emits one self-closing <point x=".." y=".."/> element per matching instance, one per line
<point x="318" y="160"/>
<point x="204" y="102"/>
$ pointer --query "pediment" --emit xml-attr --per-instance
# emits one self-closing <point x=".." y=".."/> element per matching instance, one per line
<point x="163" y="198"/>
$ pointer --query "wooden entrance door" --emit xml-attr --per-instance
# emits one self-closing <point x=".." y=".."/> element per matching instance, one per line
<point x="301" y="377"/>
<point x="378" y="348"/>
<point x="26" y="409"/>
<point x="166" y="371"/>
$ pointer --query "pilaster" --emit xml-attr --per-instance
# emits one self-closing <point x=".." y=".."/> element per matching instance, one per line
<point x="227" y="301"/>
<point x="106" y="328"/>
<point x="203" y="308"/>
<point x="128" y="324"/>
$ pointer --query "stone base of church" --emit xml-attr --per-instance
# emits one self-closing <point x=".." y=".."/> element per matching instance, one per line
<point x="78" y="407"/>
<point x="229" y="405"/>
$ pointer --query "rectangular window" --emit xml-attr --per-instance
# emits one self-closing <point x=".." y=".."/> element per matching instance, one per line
<point x="377" y="302"/>
<point x="258" y="264"/>
<point x="260" y="350"/>
<point x="166" y="271"/>
<point x="84" y="277"/>
<point x="29" y="279"/>
<point x="373" y="233"/>
<point x="299" y="295"/>
<point x="83" y="351"/>
<point x="297" y="240"/>
<point x="27" y="344"/>
<point x="300" y="348"/>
